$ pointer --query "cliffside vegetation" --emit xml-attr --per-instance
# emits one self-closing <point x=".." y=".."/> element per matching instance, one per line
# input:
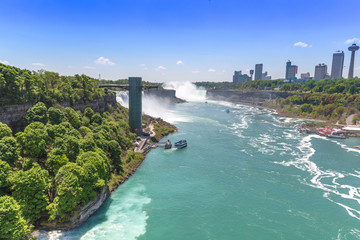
<point x="23" y="86"/>
<point x="327" y="99"/>
<point x="61" y="160"/>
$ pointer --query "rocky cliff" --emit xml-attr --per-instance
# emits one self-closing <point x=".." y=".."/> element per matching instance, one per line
<point x="247" y="97"/>
<point x="79" y="216"/>
<point x="13" y="115"/>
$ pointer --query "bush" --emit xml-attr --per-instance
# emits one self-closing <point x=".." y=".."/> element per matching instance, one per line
<point x="56" y="116"/>
<point x="96" y="118"/>
<point x="73" y="117"/>
<point x="5" y="131"/>
<point x="37" y="113"/>
<point x="12" y="222"/>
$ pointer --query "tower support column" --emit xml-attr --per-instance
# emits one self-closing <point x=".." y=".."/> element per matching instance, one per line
<point x="135" y="104"/>
<point x="351" y="69"/>
<point x="353" y="48"/>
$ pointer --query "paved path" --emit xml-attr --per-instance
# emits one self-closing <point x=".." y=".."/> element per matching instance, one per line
<point x="349" y="119"/>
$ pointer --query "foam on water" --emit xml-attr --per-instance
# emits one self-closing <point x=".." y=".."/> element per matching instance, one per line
<point x="326" y="180"/>
<point x="129" y="222"/>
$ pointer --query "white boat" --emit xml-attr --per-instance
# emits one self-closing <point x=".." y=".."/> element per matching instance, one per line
<point x="336" y="136"/>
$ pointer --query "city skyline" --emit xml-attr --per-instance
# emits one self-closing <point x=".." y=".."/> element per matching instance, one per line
<point x="176" y="41"/>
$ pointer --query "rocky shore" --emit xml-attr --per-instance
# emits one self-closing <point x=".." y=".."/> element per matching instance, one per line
<point x="259" y="98"/>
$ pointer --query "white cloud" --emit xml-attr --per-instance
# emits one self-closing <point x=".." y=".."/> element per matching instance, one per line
<point x="352" y="40"/>
<point x="357" y="68"/>
<point x="160" y="68"/>
<point x="211" y="70"/>
<point x="104" y="61"/>
<point x="4" y="62"/>
<point x="38" y="64"/>
<point x="195" y="71"/>
<point x="301" y="44"/>
<point x="88" y="67"/>
<point x="179" y="62"/>
<point x="144" y="66"/>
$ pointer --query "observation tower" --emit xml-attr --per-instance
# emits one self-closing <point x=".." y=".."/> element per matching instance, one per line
<point x="353" y="48"/>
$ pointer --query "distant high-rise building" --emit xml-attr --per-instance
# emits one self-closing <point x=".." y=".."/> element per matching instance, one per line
<point x="265" y="76"/>
<point x="239" y="77"/>
<point x="320" y="72"/>
<point x="305" y="75"/>
<point x="258" y="71"/>
<point x="337" y="64"/>
<point x="353" y="48"/>
<point x="251" y="73"/>
<point x="291" y="71"/>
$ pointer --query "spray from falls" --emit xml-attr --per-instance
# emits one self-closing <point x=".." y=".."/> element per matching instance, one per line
<point x="160" y="107"/>
<point x="187" y="91"/>
<point x="151" y="105"/>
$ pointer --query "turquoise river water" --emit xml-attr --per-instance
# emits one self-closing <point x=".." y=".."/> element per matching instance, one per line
<point x="246" y="174"/>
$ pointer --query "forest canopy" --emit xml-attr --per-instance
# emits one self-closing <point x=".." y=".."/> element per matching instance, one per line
<point x="19" y="86"/>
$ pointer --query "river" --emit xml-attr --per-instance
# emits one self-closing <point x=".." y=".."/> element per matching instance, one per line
<point x="246" y="174"/>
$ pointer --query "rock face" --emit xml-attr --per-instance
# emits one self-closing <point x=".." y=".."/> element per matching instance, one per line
<point x="164" y="94"/>
<point x="247" y="97"/>
<point x="79" y="216"/>
<point x="13" y="115"/>
<point x="91" y="207"/>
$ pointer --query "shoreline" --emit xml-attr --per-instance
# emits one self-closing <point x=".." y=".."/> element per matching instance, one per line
<point x="125" y="178"/>
<point x="122" y="180"/>
<point x="321" y="122"/>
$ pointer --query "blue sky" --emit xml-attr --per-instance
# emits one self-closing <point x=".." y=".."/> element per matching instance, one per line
<point x="168" y="40"/>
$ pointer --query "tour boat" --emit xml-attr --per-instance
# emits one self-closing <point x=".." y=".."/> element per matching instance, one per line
<point x="181" y="144"/>
<point x="342" y="136"/>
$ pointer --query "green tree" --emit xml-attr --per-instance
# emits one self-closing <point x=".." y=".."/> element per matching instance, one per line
<point x="5" y="131"/>
<point x="306" y="108"/>
<point x="72" y="146"/>
<point x="96" y="118"/>
<point x="37" y="113"/>
<point x="8" y="151"/>
<point x="71" y="191"/>
<point x="30" y="190"/>
<point x="115" y="154"/>
<point x="56" y="131"/>
<point x="56" y="116"/>
<point x="13" y="225"/>
<point x="33" y="140"/>
<point x="88" y="144"/>
<point x="56" y="159"/>
<point x="96" y="167"/>
<point x="88" y="113"/>
<point x="84" y="130"/>
<point x="5" y="172"/>
<point x="73" y="117"/>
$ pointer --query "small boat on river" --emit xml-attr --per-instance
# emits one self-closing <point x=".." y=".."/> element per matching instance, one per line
<point x="180" y="144"/>
<point x="341" y="136"/>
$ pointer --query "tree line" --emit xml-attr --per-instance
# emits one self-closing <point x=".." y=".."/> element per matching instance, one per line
<point x="330" y="86"/>
<point x="328" y="99"/>
<point x="19" y="86"/>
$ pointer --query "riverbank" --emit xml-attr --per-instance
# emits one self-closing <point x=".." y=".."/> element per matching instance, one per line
<point x="131" y="162"/>
<point x="132" y="166"/>
<point x="315" y="125"/>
